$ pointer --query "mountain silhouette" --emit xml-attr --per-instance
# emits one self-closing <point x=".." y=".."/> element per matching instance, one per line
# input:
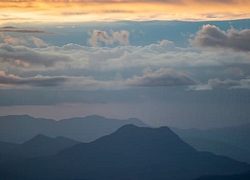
<point x="40" y="145"/>
<point x="219" y="148"/>
<point x="131" y="152"/>
<point x="84" y="129"/>
<point x="243" y="176"/>
<point x="237" y="136"/>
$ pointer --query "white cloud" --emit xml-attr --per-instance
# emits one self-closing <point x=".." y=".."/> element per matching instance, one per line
<point x="98" y="36"/>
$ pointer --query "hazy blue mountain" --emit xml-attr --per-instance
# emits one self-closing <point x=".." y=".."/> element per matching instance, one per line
<point x="237" y="135"/>
<point x="42" y="146"/>
<point x="129" y="153"/>
<point x="229" y="141"/>
<point x="81" y="129"/>
<point x="19" y="129"/>
<point x="243" y="176"/>
<point x="219" y="148"/>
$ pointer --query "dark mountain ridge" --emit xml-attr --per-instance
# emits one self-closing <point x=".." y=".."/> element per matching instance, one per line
<point x="129" y="153"/>
<point x="40" y="145"/>
<point x="243" y="176"/>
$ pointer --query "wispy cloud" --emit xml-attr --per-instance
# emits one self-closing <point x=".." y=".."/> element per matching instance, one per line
<point x="11" y="29"/>
<point x="223" y="84"/>
<point x="12" y="80"/>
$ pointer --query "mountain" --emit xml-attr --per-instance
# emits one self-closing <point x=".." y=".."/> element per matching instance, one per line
<point x="243" y="176"/>
<point x="131" y="152"/>
<point x="25" y="128"/>
<point x="6" y="150"/>
<point x="40" y="145"/>
<point x="84" y="129"/>
<point x="236" y="135"/>
<point x="219" y="148"/>
<point x="229" y="141"/>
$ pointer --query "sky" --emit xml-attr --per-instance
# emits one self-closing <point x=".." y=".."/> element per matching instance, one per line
<point x="168" y="62"/>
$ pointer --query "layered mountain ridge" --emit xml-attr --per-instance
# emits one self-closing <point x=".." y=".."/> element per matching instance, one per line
<point x="131" y="152"/>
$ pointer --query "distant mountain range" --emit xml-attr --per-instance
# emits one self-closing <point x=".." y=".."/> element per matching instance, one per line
<point x="40" y="145"/>
<point x="129" y="153"/>
<point x="236" y="135"/>
<point x="230" y="141"/>
<point x="84" y="129"/>
<point x="219" y="148"/>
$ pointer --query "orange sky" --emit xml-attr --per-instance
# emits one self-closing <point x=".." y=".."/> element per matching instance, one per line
<point x="110" y="10"/>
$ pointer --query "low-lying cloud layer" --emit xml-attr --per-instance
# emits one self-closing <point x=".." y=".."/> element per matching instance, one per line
<point x="12" y="80"/>
<point x="119" y="65"/>
<point x="161" y="77"/>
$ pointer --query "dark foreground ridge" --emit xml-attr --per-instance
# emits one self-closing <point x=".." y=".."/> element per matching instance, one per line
<point x="129" y="153"/>
<point x="243" y="176"/>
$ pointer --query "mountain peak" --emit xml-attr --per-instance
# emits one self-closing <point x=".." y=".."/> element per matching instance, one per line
<point x="38" y="139"/>
<point x="154" y="131"/>
<point x="128" y="127"/>
<point x="133" y="137"/>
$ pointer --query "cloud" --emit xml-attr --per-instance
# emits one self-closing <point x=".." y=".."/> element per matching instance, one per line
<point x="121" y="66"/>
<point x="28" y="41"/>
<point x="38" y="42"/>
<point x="122" y="37"/>
<point x="161" y="77"/>
<point x="223" y="84"/>
<point x="217" y="83"/>
<point x="12" y="80"/>
<point x="15" y="41"/>
<point x="98" y="36"/>
<point x="213" y="37"/>
<point x="30" y="57"/>
<point x="120" y="58"/>
<point x="11" y="29"/>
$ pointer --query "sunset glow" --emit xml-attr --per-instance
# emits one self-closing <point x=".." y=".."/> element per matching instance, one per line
<point x="82" y="10"/>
